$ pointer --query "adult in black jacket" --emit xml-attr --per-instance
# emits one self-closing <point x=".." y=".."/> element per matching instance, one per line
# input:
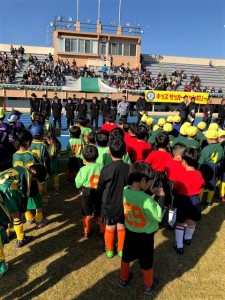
<point x="45" y="106"/>
<point x="34" y="104"/>
<point x="221" y="113"/>
<point x="141" y="107"/>
<point x="57" y="111"/>
<point x="105" y="108"/>
<point x="70" y="109"/>
<point x="193" y="108"/>
<point x="82" y="108"/>
<point x="94" y="112"/>
<point x="208" y="112"/>
<point x="184" y="109"/>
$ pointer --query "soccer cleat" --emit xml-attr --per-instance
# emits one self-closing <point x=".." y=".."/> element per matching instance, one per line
<point x="109" y="253"/>
<point x="86" y="235"/>
<point x="179" y="251"/>
<point x="149" y="290"/>
<point x="42" y="224"/>
<point x="223" y="199"/>
<point x="120" y="253"/>
<point x="30" y="222"/>
<point x="21" y="243"/>
<point x="187" y="242"/>
<point x="209" y="204"/>
<point x="123" y="283"/>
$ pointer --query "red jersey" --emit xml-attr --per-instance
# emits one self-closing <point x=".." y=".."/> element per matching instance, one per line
<point x="138" y="150"/>
<point x="108" y="127"/>
<point x="173" y="169"/>
<point x="189" y="183"/>
<point x="158" y="160"/>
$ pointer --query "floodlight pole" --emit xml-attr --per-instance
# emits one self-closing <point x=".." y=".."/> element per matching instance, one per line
<point x="119" y="12"/>
<point x="78" y="10"/>
<point x="99" y="11"/>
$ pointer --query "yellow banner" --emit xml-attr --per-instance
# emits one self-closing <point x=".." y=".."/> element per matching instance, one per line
<point x="174" y="97"/>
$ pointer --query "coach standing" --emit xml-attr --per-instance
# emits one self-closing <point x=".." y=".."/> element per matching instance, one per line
<point x="57" y="111"/>
<point x="184" y="109"/>
<point x="123" y="108"/>
<point x="34" y="105"/>
<point x="141" y="107"/>
<point x="45" y="106"/>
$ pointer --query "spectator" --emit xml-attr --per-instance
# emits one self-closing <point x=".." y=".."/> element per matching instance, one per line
<point x="82" y="108"/>
<point x="141" y="107"/>
<point x="184" y="109"/>
<point x="104" y="71"/>
<point x="192" y="110"/>
<point x="57" y="112"/>
<point x="45" y="106"/>
<point x="34" y="104"/>
<point x="208" y="112"/>
<point x="94" y="112"/>
<point x="105" y="108"/>
<point x="70" y="109"/>
<point x="123" y="108"/>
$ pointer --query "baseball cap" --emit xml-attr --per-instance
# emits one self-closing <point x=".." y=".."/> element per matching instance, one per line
<point x="36" y="130"/>
<point x="192" y="131"/>
<point x="183" y="130"/>
<point x="150" y="121"/>
<point x="13" y="118"/>
<point x="177" y="119"/>
<point x="169" y="119"/>
<point x="212" y="134"/>
<point x="161" y="122"/>
<point x="144" y="118"/>
<point x="156" y="126"/>
<point x="202" y="125"/>
<point x="187" y="124"/>
<point x="221" y="133"/>
<point x="168" y="127"/>
<point x="213" y="126"/>
<point x="2" y="112"/>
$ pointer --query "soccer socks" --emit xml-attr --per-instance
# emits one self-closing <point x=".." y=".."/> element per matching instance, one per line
<point x="18" y="227"/>
<point x="201" y="194"/>
<point x="148" y="277"/>
<point x="179" y="235"/>
<point x="222" y="189"/>
<point x="29" y="216"/>
<point x="109" y="239"/>
<point x="120" y="236"/>
<point x="210" y="196"/>
<point x="101" y="225"/>
<point x="124" y="271"/>
<point x="56" y="182"/>
<point x="189" y="231"/>
<point x="38" y="217"/>
<point x="3" y="267"/>
<point x="2" y="255"/>
<point x="87" y="224"/>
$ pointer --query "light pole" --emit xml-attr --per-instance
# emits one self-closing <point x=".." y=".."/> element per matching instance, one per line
<point x="120" y="3"/>
<point x="99" y="11"/>
<point x="78" y="7"/>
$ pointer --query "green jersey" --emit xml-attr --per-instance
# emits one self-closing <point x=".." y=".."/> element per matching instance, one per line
<point x="24" y="159"/>
<point x="151" y="139"/>
<point x="84" y="134"/>
<point x="142" y="212"/>
<point x="48" y="127"/>
<point x="213" y="154"/>
<point x="75" y="146"/>
<point x="39" y="149"/>
<point x="125" y="159"/>
<point x="53" y="151"/>
<point x="103" y="156"/>
<point x="191" y="143"/>
<point x="88" y="176"/>
<point x="180" y="139"/>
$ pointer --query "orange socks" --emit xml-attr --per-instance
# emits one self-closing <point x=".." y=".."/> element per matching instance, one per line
<point x="124" y="271"/>
<point x="109" y="239"/>
<point x="87" y="224"/>
<point x="120" y="236"/>
<point x="148" y="277"/>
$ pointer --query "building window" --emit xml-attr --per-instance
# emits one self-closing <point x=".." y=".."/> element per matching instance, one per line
<point x="132" y="50"/>
<point x="77" y="46"/>
<point x="116" y="48"/>
<point x="122" y="49"/>
<point x="67" y="45"/>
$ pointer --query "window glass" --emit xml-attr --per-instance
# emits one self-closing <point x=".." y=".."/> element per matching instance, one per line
<point x="132" y="50"/>
<point x="67" y="45"/>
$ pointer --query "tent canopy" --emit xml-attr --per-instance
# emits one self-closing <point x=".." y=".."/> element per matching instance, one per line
<point x="89" y="85"/>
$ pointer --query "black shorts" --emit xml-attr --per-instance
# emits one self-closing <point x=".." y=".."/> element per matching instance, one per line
<point x="75" y="164"/>
<point x="139" y="246"/>
<point x="91" y="202"/>
<point x="209" y="174"/>
<point x="110" y="222"/>
<point x="188" y="207"/>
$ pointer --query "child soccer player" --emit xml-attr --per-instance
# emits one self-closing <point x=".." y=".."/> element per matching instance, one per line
<point x="118" y="133"/>
<point x="221" y="140"/>
<point x="82" y="123"/>
<point x="75" y="147"/>
<point x="187" y="201"/>
<point x="102" y="139"/>
<point x="112" y="180"/>
<point x="210" y="160"/>
<point x="5" y="219"/>
<point x="92" y="138"/>
<point x="87" y="178"/>
<point x="142" y="215"/>
<point x="15" y="188"/>
<point x="109" y="125"/>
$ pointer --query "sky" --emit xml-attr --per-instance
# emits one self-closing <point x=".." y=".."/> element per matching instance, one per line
<point x="193" y="28"/>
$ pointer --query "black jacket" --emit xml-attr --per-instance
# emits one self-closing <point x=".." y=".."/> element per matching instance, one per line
<point x="82" y="109"/>
<point x="94" y="108"/>
<point x="193" y="108"/>
<point x="141" y="104"/>
<point x="56" y="110"/>
<point x="34" y="105"/>
<point x="221" y="111"/>
<point x="184" y="110"/>
<point x="46" y="106"/>
<point x="105" y="108"/>
<point x="70" y="109"/>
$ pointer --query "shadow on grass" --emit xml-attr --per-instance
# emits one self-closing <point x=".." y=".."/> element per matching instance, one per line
<point x="168" y="265"/>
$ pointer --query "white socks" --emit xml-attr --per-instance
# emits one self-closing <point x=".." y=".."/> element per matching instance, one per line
<point x="179" y="235"/>
<point x="189" y="231"/>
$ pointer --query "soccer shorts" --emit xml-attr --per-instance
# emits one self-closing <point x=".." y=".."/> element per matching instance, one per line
<point x="188" y="207"/>
<point x="209" y="173"/>
<point x="74" y="164"/>
<point x="12" y="200"/>
<point x="110" y="222"/>
<point x="91" y="202"/>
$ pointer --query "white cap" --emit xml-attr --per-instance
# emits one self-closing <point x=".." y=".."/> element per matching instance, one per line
<point x="13" y="118"/>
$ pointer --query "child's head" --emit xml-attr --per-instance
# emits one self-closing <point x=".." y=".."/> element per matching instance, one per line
<point x="141" y="132"/>
<point x="176" y="120"/>
<point x="192" y="132"/>
<point x="213" y="126"/>
<point x="190" y="158"/>
<point x="37" y="131"/>
<point x="91" y="139"/>
<point x="116" y="133"/>
<point x="202" y="126"/>
<point x="117" y="148"/>
<point x="51" y="139"/>
<point x="221" y="136"/>
<point x="126" y="127"/>
<point x="90" y="153"/>
<point x="162" y="140"/>
<point x="39" y="119"/>
<point x="102" y="138"/>
<point x="23" y="139"/>
<point x="75" y="132"/>
<point x="141" y="173"/>
<point x="121" y="122"/>
<point x="212" y="136"/>
<point x="133" y="128"/>
<point x="110" y="119"/>
<point x="82" y="121"/>
<point x="178" y="150"/>
<point x="38" y="171"/>
<point x="12" y="119"/>
<point x="69" y="100"/>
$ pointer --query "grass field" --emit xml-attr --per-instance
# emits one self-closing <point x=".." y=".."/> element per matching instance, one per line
<point x="58" y="264"/>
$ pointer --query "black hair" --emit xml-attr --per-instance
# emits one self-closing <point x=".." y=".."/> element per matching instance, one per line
<point x="82" y="121"/>
<point x="70" y="99"/>
<point x="90" y="153"/>
<point x="178" y="148"/>
<point x="39" y="119"/>
<point x="23" y="137"/>
<point x="75" y="131"/>
<point x="91" y="137"/>
<point x="116" y="133"/>
<point x="110" y="119"/>
<point x="122" y="121"/>
<point x="191" y="156"/>
<point x="102" y="138"/>
<point x="141" y="132"/>
<point x="126" y="127"/>
<point x="117" y="148"/>
<point x="133" y="128"/>
<point x="162" y="140"/>
<point x="40" y="171"/>
<point x="140" y="170"/>
<point x="52" y="136"/>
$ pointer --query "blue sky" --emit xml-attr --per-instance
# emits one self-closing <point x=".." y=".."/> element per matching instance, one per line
<point x="171" y="27"/>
